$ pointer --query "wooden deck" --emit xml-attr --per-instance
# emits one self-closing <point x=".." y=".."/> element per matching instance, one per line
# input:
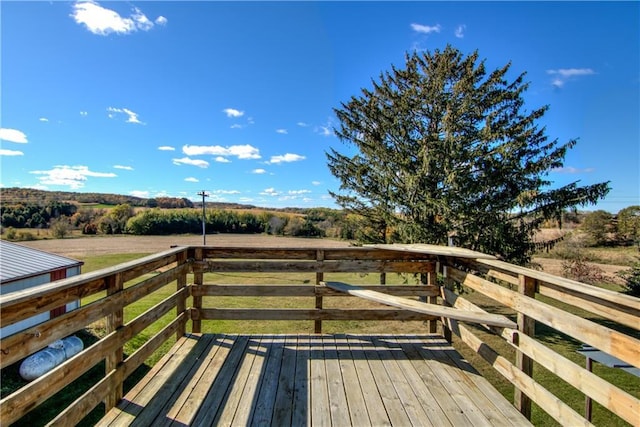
<point x="337" y="380"/>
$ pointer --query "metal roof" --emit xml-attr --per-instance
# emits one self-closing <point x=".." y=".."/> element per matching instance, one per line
<point x="18" y="262"/>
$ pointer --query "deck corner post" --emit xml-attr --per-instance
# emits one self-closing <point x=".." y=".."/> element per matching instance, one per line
<point x="198" y="280"/>
<point x="181" y="283"/>
<point x="432" y="280"/>
<point x="526" y="325"/>
<point x="448" y="283"/>
<point x="115" y="320"/>
<point x="317" y="324"/>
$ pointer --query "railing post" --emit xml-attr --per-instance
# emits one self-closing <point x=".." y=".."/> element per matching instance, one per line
<point x="432" y="279"/>
<point x="319" y="278"/>
<point x="115" y="320"/>
<point x="198" y="280"/>
<point x="448" y="284"/>
<point x="181" y="283"/>
<point x="526" y="325"/>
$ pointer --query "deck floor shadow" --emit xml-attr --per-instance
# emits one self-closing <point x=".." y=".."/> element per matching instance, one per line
<point x="324" y="380"/>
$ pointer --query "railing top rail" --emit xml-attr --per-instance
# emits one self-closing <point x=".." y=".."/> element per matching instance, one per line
<point x="17" y="297"/>
<point x="547" y="278"/>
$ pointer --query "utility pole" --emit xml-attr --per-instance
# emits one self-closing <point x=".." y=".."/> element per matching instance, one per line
<point x="204" y="218"/>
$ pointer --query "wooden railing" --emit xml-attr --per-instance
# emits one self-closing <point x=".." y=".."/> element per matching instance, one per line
<point x="196" y="295"/>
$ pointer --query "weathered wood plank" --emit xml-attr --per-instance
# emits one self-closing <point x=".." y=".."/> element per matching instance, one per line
<point x="202" y="383"/>
<point x="263" y="407"/>
<point x="422" y="248"/>
<point x="347" y="253"/>
<point x="618" y="344"/>
<point x="406" y="394"/>
<point x="250" y="393"/>
<point x="283" y="405"/>
<point x="292" y="266"/>
<point x="425" y="398"/>
<point x="319" y="393"/>
<point x="420" y="307"/>
<point x="373" y="400"/>
<point x="309" y="314"/>
<point x="306" y="290"/>
<point x="608" y="395"/>
<point x="300" y="408"/>
<point x="392" y="402"/>
<point x="335" y="384"/>
<point x="215" y="399"/>
<point x="355" y="398"/>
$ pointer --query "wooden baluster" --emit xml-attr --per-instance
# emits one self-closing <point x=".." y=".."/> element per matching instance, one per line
<point x="319" y="278"/>
<point x="526" y="325"/>
<point x="115" y="320"/>
<point x="181" y="283"/>
<point x="198" y="280"/>
<point x="432" y="279"/>
<point x="448" y="284"/>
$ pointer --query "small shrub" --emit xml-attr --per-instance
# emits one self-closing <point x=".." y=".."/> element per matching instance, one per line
<point x="59" y="228"/>
<point x="11" y="234"/>
<point x="25" y="236"/>
<point x="580" y="270"/>
<point x="632" y="280"/>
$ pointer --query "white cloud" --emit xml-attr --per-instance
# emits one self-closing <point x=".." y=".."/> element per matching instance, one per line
<point x="282" y="131"/>
<point x="13" y="135"/>
<point x="221" y="159"/>
<point x="193" y="162"/>
<point x="459" y="32"/>
<point x="140" y="193"/>
<point x="302" y="124"/>
<point x="102" y="21"/>
<point x="131" y="116"/>
<point x="4" y="152"/>
<point x="298" y="192"/>
<point x="73" y="177"/>
<point x="236" y="126"/>
<point x="232" y="112"/>
<point x="126" y="168"/>
<point x="269" y="192"/>
<point x="287" y="158"/>
<point x="83" y="113"/>
<point x="259" y="171"/>
<point x="562" y="75"/>
<point x="426" y="29"/>
<point x="166" y="148"/>
<point x="192" y="179"/>
<point x="226" y="192"/>
<point x="43" y="119"/>
<point x="316" y="182"/>
<point x="240" y="151"/>
<point x="572" y="170"/>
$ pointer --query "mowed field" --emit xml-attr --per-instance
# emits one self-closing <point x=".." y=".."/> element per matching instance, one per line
<point x="105" y="245"/>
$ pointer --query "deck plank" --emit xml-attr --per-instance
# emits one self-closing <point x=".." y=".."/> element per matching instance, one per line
<point x="319" y="392"/>
<point x="266" y="394"/>
<point x="353" y="388"/>
<point x="337" y="398"/>
<point x="319" y="380"/>
<point x="283" y="405"/>
<point x="301" y="415"/>
<point x="373" y="400"/>
<point x="196" y="392"/>
<point x="424" y="396"/>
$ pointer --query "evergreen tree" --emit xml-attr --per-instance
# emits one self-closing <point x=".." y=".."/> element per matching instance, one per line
<point x="447" y="150"/>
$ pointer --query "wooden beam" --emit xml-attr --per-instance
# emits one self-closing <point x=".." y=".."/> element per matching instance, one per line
<point x="420" y="307"/>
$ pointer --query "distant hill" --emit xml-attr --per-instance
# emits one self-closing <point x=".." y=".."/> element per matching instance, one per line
<point x="14" y="195"/>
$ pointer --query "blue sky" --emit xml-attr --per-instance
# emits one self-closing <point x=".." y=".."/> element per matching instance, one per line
<point x="236" y="98"/>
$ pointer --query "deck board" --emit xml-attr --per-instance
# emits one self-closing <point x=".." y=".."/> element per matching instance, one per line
<point x="319" y="380"/>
